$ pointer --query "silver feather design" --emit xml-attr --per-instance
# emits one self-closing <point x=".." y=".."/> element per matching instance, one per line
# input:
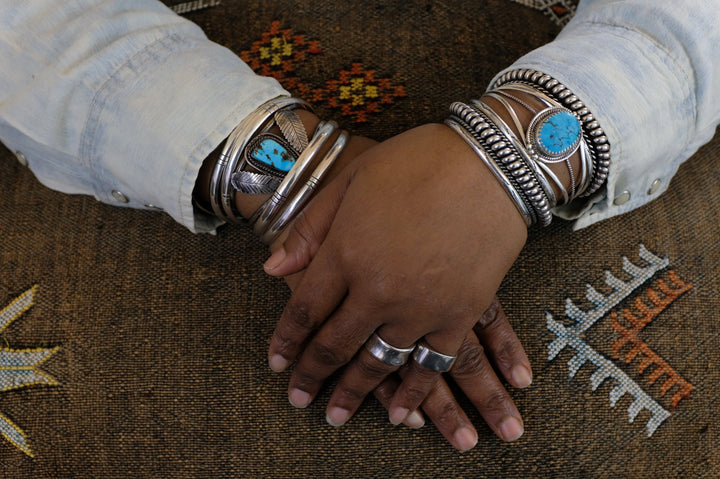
<point x="254" y="183"/>
<point x="292" y="128"/>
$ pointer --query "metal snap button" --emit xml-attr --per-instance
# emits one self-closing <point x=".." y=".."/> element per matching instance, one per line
<point x="21" y="158"/>
<point x="654" y="186"/>
<point x="623" y="198"/>
<point x="120" y="197"/>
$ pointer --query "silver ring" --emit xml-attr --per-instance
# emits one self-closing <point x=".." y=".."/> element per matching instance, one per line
<point x="387" y="353"/>
<point x="432" y="360"/>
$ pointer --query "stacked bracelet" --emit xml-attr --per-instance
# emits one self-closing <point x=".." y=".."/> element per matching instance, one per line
<point x="231" y="160"/>
<point x="521" y="158"/>
<point x="256" y="160"/>
<point x="597" y="144"/>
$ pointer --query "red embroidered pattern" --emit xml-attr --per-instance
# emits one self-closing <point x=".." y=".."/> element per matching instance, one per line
<point x="278" y="52"/>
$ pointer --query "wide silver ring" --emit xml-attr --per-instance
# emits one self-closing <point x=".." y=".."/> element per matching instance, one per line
<point x="431" y="359"/>
<point x="387" y="353"/>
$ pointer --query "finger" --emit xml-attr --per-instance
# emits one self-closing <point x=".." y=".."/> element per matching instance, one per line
<point x="316" y="296"/>
<point x="307" y="232"/>
<point x="385" y="392"/>
<point x="421" y="376"/>
<point x="503" y="346"/>
<point x="440" y="407"/>
<point x="364" y="373"/>
<point x="333" y="346"/>
<point x="473" y="372"/>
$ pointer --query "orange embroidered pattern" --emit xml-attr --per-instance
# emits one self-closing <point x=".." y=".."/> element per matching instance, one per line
<point x="278" y="52"/>
<point x="638" y="322"/>
<point x="357" y="93"/>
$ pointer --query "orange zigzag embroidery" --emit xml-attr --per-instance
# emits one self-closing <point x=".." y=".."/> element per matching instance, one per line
<point x="647" y="314"/>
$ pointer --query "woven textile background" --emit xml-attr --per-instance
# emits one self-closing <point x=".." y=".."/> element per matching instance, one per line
<point x="144" y="346"/>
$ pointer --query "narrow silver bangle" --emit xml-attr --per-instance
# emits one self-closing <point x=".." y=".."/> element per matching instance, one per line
<point x="499" y="175"/>
<point x="300" y="199"/>
<point x="262" y="217"/>
<point x="221" y="191"/>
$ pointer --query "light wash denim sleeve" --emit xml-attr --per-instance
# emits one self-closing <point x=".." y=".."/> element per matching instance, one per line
<point x="119" y="99"/>
<point x="649" y="70"/>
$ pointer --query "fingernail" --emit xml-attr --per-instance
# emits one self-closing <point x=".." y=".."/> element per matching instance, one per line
<point x="511" y="429"/>
<point x="278" y="363"/>
<point x="465" y="438"/>
<point x="299" y="399"/>
<point x="337" y="416"/>
<point x="398" y="415"/>
<point x="275" y="260"/>
<point x="522" y="377"/>
<point x="415" y="420"/>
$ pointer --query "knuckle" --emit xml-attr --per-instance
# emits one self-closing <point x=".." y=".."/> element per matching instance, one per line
<point x="328" y="355"/>
<point x="353" y="394"/>
<point x="447" y="414"/>
<point x="300" y="315"/>
<point x="471" y="361"/>
<point x="415" y="394"/>
<point x="491" y="315"/>
<point x="305" y="233"/>
<point x="495" y="401"/>
<point x="373" y="368"/>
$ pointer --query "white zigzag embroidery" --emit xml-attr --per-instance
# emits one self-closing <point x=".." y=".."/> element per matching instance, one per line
<point x="570" y="336"/>
<point x="606" y="369"/>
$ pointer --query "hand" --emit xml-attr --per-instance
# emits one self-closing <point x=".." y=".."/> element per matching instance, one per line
<point x="411" y="248"/>
<point x="493" y="345"/>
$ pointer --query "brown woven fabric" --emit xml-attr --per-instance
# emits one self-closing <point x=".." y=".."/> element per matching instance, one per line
<point x="162" y="335"/>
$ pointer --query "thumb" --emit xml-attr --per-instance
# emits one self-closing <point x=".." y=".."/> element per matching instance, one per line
<point x="307" y="232"/>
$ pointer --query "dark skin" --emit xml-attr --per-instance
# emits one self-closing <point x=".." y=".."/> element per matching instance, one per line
<point x="362" y="202"/>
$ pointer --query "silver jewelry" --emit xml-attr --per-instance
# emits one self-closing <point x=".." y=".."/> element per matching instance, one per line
<point x="431" y="359"/>
<point x="387" y="353"/>
<point x="305" y="193"/>
<point x="263" y="216"/>
<point x="231" y="159"/>
<point x="533" y="138"/>
<point x="595" y="138"/>
<point x="254" y="183"/>
<point x="536" y="188"/>
<point x="495" y="169"/>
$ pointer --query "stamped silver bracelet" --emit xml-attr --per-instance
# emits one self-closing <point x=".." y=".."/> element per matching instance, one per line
<point x="510" y="160"/>
<point x="479" y="129"/>
<point x="264" y="215"/>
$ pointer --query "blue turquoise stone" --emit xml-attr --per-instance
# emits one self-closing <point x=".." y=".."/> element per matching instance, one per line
<point x="273" y="154"/>
<point x="559" y="132"/>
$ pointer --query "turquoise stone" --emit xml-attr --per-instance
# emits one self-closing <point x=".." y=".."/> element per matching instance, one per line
<point x="559" y="133"/>
<point x="273" y="154"/>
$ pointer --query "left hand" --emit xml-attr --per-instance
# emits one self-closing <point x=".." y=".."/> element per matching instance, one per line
<point x="416" y="235"/>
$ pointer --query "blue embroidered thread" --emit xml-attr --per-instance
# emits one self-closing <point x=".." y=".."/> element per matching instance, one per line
<point x="570" y="336"/>
<point x="20" y="368"/>
<point x="606" y="369"/>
